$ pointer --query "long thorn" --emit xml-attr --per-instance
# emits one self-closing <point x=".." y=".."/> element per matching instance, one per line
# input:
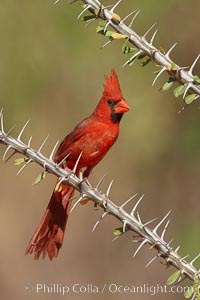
<point x="11" y="155"/>
<point x="136" y="205"/>
<point x="192" y="66"/>
<point x="115" y="238"/>
<point x="107" y="43"/>
<point x="109" y="188"/>
<point x="127" y="201"/>
<point x="147" y="32"/>
<point x="29" y="141"/>
<point x="118" y="2"/>
<point x="107" y="24"/>
<point x="7" y="149"/>
<point x="168" y="244"/>
<point x="186" y="90"/>
<point x="194" y="259"/>
<point x="140" y="246"/>
<point x="82" y="12"/>
<point x="21" y="132"/>
<point x="134" y="17"/>
<point x="77" y="162"/>
<point x="152" y="260"/>
<point x="132" y="58"/>
<point x="52" y="152"/>
<point x="176" y="250"/>
<point x="62" y="161"/>
<point x="25" y="165"/>
<point x="158" y="75"/>
<point x="100" y="181"/>
<point x="125" y="18"/>
<point x="76" y="203"/>
<point x="139" y="219"/>
<point x="170" y="50"/>
<point x="98" y="221"/>
<point x="149" y="222"/>
<point x="160" y="223"/>
<point x="9" y="131"/>
<point x="153" y="37"/>
<point x="1" y="118"/>
<point x="183" y="258"/>
<point x="164" y="230"/>
<point x="43" y="143"/>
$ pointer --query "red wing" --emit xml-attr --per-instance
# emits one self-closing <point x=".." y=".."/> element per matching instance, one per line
<point x="70" y="139"/>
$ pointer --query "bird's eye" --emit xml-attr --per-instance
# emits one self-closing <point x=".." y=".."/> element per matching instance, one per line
<point x="110" y="102"/>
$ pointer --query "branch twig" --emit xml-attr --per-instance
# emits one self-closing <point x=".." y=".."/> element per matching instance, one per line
<point x="190" y="83"/>
<point x="130" y="221"/>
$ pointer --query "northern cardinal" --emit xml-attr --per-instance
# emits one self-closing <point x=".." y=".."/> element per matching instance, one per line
<point x="92" y="137"/>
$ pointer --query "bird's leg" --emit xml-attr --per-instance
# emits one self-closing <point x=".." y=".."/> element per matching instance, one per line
<point x="83" y="176"/>
<point x="85" y="179"/>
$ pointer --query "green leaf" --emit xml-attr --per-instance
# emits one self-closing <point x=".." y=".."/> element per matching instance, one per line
<point x="174" y="277"/>
<point x="118" y="231"/>
<point x="189" y="292"/>
<point x="96" y="11"/>
<point x="88" y="18"/>
<point x="109" y="33"/>
<point x="127" y="49"/>
<point x="99" y="29"/>
<point x="146" y="61"/>
<point x="180" y="90"/>
<point x="190" y="98"/>
<point x="196" y="79"/>
<point x="20" y="161"/>
<point x="167" y="85"/>
<point x="39" y="178"/>
<point x="102" y="24"/>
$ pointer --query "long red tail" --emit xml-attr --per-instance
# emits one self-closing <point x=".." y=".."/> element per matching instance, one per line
<point x="48" y="237"/>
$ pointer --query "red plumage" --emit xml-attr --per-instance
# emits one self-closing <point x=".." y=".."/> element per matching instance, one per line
<point x="93" y="137"/>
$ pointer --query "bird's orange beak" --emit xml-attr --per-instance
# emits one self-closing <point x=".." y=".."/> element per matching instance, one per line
<point x="121" y="107"/>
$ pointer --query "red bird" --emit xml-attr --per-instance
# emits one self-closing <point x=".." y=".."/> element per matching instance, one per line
<point x="93" y="137"/>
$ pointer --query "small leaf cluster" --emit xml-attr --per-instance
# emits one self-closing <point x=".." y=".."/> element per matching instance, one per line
<point x="179" y="90"/>
<point x="111" y="34"/>
<point x="136" y="54"/>
<point x="24" y="160"/>
<point x="192" y="291"/>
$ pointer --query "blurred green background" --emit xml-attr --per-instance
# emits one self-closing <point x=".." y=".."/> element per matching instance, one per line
<point x="52" y="72"/>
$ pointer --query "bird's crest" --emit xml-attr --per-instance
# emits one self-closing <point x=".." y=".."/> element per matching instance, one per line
<point x="111" y="87"/>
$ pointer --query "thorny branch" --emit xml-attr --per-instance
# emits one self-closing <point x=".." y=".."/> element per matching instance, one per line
<point x="130" y="221"/>
<point x="183" y="75"/>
